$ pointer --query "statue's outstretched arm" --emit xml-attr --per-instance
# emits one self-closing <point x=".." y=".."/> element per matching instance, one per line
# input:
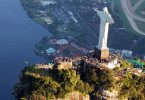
<point x="95" y="9"/>
<point x="98" y="12"/>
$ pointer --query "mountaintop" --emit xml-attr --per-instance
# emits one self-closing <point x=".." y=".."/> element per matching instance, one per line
<point x="82" y="77"/>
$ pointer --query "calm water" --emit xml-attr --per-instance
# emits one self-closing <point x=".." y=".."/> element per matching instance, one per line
<point x="18" y="34"/>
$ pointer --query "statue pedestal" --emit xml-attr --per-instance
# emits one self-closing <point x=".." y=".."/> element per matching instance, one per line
<point x="101" y="54"/>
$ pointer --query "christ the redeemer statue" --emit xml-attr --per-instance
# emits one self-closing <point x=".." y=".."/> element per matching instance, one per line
<point x="105" y="19"/>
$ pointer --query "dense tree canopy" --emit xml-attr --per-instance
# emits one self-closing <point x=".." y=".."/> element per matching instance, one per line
<point x="42" y="84"/>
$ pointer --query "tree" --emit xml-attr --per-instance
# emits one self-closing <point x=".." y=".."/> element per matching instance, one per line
<point x="91" y="77"/>
<point x="132" y="88"/>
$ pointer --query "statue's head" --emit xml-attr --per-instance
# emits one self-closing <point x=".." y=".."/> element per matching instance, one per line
<point x="108" y="17"/>
<point x="105" y="9"/>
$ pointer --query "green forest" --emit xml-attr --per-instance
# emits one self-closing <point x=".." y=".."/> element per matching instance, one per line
<point x="42" y="84"/>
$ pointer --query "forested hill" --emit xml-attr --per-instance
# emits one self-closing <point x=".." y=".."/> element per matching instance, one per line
<point x="80" y="81"/>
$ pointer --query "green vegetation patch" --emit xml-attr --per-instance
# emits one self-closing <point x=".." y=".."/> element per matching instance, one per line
<point x="137" y="64"/>
<point x="40" y="21"/>
<point x="48" y="84"/>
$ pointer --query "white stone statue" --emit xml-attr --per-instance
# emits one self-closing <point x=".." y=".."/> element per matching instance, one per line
<point x="105" y="19"/>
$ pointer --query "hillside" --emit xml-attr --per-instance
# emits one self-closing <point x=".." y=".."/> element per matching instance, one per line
<point x="83" y="79"/>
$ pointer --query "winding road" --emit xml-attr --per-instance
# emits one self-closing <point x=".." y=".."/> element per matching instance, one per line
<point x="137" y="4"/>
<point x="131" y="16"/>
<point x="132" y="11"/>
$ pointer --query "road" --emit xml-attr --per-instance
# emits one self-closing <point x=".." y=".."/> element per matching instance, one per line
<point x="131" y="17"/>
<point x="137" y="4"/>
<point x="132" y="12"/>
